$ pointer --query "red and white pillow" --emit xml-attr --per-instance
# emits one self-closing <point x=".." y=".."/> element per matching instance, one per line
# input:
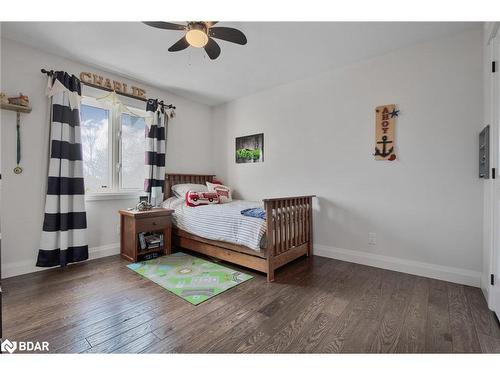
<point x="224" y="192"/>
<point x="180" y="190"/>
<point x="201" y="198"/>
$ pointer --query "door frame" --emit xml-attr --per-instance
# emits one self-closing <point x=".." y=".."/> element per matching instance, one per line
<point x="491" y="261"/>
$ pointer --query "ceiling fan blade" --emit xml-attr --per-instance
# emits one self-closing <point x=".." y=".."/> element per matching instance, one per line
<point x="228" y="34"/>
<point x="181" y="44"/>
<point x="212" y="49"/>
<point x="165" y="25"/>
<point x="210" y="23"/>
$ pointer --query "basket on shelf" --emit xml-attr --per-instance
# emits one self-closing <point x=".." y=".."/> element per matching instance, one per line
<point x="21" y="100"/>
<point x="3" y="98"/>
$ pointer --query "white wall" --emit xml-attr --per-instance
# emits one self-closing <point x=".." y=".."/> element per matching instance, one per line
<point x="188" y="150"/>
<point x="426" y="207"/>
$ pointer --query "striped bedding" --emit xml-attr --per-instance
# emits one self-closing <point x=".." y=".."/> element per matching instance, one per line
<point x="220" y="222"/>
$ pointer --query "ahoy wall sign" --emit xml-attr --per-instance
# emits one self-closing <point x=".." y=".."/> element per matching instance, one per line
<point x="385" y="123"/>
<point x="106" y="83"/>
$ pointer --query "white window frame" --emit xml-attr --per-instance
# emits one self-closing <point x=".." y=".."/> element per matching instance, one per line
<point x="114" y="191"/>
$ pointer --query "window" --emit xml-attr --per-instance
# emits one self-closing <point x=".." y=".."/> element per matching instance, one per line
<point x="132" y="151"/>
<point x="113" y="147"/>
<point x="95" y="126"/>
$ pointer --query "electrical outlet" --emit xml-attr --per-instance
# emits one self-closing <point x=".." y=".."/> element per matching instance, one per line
<point x="372" y="238"/>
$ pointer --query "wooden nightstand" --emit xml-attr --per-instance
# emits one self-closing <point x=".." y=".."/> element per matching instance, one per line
<point x="134" y="222"/>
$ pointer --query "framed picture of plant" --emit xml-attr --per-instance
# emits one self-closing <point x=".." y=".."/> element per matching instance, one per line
<point x="250" y="148"/>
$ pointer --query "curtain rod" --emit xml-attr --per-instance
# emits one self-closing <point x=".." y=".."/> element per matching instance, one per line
<point x="50" y="73"/>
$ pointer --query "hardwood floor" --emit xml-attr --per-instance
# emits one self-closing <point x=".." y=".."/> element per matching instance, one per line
<point x="316" y="305"/>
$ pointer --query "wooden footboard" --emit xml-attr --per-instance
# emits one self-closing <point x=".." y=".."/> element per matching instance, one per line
<point x="289" y="230"/>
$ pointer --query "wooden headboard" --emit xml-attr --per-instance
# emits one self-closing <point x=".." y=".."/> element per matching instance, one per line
<point x="172" y="179"/>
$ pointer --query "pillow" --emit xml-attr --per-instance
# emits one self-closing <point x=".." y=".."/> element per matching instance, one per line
<point x="180" y="190"/>
<point x="222" y="191"/>
<point x="172" y="203"/>
<point x="200" y="198"/>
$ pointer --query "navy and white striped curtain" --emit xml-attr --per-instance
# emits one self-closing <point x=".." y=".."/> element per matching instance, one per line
<point x="64" y="237"/>
<point x="156" y="133"/>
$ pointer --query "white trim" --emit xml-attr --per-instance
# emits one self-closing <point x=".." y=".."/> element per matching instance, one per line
<point x="112" y="196"/>
<point x="485" y="288"/>
<point x="493" y="291"/>
<point x="28" y="266"/>
<point x="104" y="251"/>
<point x="451" y="274"/>
<point x="434" y="271"/>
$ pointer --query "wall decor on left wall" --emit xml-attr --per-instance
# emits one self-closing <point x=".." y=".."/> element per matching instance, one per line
<point x="17" y="104"/>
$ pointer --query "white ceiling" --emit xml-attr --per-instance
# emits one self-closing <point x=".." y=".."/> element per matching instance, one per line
<point x="276" y="53"/>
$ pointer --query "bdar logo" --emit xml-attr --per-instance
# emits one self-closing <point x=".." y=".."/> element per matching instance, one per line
<point x="9" y="346"/>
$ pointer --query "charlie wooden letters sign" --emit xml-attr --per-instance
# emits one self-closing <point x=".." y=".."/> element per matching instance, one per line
<point x="119" y="87"/>
<point x="385" y="122"/>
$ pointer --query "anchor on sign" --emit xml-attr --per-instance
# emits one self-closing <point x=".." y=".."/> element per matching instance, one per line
<point x="385" y="152"/>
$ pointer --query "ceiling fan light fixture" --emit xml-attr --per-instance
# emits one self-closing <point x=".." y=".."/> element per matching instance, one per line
<point x="201" y="34"/>
<point x="197" y="38"/>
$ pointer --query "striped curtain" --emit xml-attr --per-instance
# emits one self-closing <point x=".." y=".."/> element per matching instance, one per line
<point x="155" y="152"/>
<point x="64" y="230"/>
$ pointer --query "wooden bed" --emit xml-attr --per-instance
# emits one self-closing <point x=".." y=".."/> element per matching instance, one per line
<point x="288" y="234"/>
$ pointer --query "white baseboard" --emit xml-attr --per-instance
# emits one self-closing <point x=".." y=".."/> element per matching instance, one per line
<point x="451" y="274"/>
<point x="434" y="271"/>
<point x="485" y="287"/>
<point x="104" y="251"/>
<point x="28" y="266"/>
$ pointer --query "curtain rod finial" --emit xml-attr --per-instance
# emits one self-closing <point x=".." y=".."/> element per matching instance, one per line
<point x="45" y="71"/>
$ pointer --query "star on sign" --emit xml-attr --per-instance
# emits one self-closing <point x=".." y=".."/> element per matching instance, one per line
<point x="394" y="113"/>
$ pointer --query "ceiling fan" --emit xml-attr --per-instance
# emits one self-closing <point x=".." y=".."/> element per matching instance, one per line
<point x="200" y="34"/>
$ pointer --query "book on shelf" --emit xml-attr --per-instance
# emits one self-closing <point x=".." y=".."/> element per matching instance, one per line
<point x="150" y="241"/>
<point x="142" y="241"/>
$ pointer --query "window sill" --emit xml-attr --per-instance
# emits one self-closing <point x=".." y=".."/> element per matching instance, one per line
<point x="112" y="196"/>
